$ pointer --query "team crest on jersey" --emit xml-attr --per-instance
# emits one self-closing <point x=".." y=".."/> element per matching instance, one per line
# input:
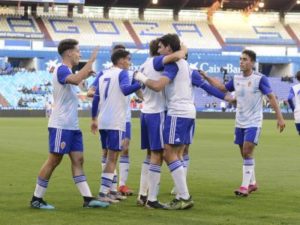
<point x="249" y="83"/>
<point x="62" y="145"/>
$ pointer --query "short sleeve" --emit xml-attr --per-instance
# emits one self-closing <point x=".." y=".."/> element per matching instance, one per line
<point x="229" y="86"/>
<point x="158" y="64"/>
<point x="170" y="70"/>
<point x="264" y="85"/>
<point x="62" y="73"/>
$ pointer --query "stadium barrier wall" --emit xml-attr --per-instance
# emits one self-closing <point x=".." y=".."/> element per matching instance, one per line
<point x="135" y="114"/>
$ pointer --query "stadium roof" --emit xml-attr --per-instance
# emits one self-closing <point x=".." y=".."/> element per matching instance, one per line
<point x="270" y="5"/>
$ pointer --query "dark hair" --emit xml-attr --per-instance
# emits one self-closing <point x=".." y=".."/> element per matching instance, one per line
<point x="153" y="47"/>
<point x="117" y="47"/>
<point x="65" y="45"/>
<point x="172" y="40"/>
<point x="298" y="75"/>
<point x="119" y="54"/>
<point x="251" y="54"/>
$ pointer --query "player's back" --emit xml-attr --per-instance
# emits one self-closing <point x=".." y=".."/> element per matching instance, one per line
<point x="179" y="93"/>
<point x="154" y="102"/>
<point x="65" y="102"/>
<point x="249" y="100"/>
<point x="113" y="104"/>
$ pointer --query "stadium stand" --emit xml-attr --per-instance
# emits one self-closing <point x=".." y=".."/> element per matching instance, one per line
<point x="261" y="29"/>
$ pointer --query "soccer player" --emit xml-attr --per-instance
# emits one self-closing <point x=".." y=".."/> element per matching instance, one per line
<point x="65" y="136"/>
<point x="124" y="162"/>
<point x="177" y="84"/>
<point x="294" y="97"/>
<point x="249" y="87"/>
<point x="110" y="98"/>
<point x="152" y="120"/>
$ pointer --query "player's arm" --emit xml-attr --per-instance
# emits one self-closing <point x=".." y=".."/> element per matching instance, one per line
<point x="213" y="81"/>
<point x="95" y="110"/>
<point x="125" y="85"/>
<point x="175" y="56"/>
<point x="169" y="73"/>
<point x="265" y="88"/>
<point x="91" y="91"/>
<point x="198" y="81"/>
<point x="85" y="72"/>
<point x="290" y="99"/>
<point x="139" y="94"/>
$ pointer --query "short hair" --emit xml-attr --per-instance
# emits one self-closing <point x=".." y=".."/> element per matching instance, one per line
<point x="65" y="45"/>
<point x="153" y="47"/>
<point x="118" y="46"/>
<point x="172" y="40"/>
<point x="119" y="54"/>
<point x="251" y="54"/>
<point x="298" y="75"/>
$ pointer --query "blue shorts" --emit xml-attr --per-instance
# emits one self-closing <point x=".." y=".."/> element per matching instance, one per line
<point x="111" y="139"/>
<point x="127" y="133"/>
<point x="178" y="130"/>
<point x="63" y="141"/>
<point x="152" y="131"/>
<point x="298" y="127"/>
<point x="250" y="134"/>
<point x="189" y="139"/>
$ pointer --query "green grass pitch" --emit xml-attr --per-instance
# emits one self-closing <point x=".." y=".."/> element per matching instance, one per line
<point x="215" y="171"/>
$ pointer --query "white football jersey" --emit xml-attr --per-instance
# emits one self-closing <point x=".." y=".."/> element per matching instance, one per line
<point x="249" y="110"/>
<point x="179" y="93"/>
<point x="113" y="104"/>
<point x="65" y="103"/>
<point x="154" y="102"/>
<point x="296" y="90"/>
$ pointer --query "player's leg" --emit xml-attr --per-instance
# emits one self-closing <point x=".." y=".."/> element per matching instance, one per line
<point x="144" y="183"/>
<point x="76" y="157"/>
<point x="143" y="189"/>
<point x="114" y="145"/>
<point x="249" y="136"/>
<point x="174" y="136"/>
<point x="185" y="159"/>
<point x="124" y="162"/>
<point x="154" y="179"/>
<point x="57" y="143"/>
<point x="42" y="181"/>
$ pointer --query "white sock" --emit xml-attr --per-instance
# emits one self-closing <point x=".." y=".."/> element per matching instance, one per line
<point x="106" y="182"/>
<point x="144" y="178"/>
<point x="114" y="185"/>
<point x="186" y="163"/>
<point x="154" y="181"/>
<point x="179" y="179"/>
<point x="253" y="179"/>
<point x="40" y="187"/>
<point x="103" y="162"/>
<point x="82" y="185"/>
<point x="247" y="172"/>
<point x="123" y="170"/>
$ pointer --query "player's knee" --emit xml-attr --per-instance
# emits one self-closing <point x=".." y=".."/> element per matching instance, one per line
<point x="124" y="152"/>
<point x="79" y="160"/>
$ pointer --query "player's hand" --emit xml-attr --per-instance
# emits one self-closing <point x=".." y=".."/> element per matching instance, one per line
<point x="230" y="99"/>
<point x="203" y="74"/>
<point x="183" y="48"/>
<point x="94" y="54"/>
<point x="280" y="125"/>
<point x="94" y="126"/>
<point x="140" y="77"/>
